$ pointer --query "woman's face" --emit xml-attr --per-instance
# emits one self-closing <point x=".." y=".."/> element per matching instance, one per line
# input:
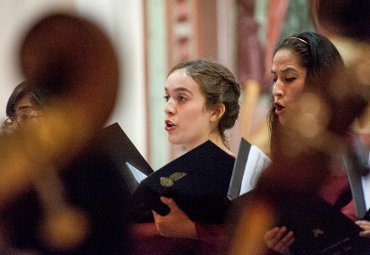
<point x="288" y="81"/>
<point x="22" y="107"/>
<point x="187" y="119"/>
<point x="24" y="111"/>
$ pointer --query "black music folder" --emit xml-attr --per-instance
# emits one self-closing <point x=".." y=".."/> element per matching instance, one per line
<point x="320" y="228"/>
<point x="249" y="164"/>
<point x="367" y="215"/>
<point x="198" y="182"/>
<point x="134" y="168"/>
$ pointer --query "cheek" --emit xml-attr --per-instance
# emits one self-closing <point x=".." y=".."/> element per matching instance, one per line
<point x="192" y="112"/>
<point x="295" y="93"/>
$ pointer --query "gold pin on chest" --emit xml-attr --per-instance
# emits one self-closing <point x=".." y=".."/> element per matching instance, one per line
<point x="170" y="181"/>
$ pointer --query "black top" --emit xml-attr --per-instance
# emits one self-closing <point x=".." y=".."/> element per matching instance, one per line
<point x="92" y="183"/>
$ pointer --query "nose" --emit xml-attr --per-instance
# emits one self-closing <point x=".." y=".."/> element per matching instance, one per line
<point x="169" y="107"/>
<point x="277" y="90"/>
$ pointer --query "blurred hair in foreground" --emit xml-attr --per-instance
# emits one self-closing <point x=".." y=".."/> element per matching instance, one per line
<point x="58" y="191"/>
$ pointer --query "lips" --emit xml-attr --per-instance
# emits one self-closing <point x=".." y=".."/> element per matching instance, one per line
<point x="279" y="108"/>
<point x="169" y="125"/>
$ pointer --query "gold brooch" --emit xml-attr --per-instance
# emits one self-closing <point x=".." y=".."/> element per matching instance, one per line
<point x="317" y="232"/>
<point x="166" y="182"/>
<point x="170" y="181"/>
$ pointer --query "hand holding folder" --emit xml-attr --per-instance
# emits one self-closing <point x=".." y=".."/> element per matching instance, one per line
<point x="320" y="228"/>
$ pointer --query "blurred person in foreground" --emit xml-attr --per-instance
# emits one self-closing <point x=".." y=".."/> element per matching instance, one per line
<point x="350" y="22"/>
<point x="307" y="141"/>
<point x="59" y="192"/>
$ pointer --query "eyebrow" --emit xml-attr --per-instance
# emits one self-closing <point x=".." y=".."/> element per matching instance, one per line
<point x="287" y="69"/>
<point x="24" y="107"/>
<point x="180" y="90"/>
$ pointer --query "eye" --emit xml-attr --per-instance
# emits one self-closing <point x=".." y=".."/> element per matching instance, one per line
<point x="273" y="77"/>
<point x="290" y="79"/>
<point x="166" y="98"/>
<point x="182" y="98"/>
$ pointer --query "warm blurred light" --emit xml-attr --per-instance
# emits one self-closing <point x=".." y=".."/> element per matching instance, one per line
<point x="312" y="119"/>
<point x="363" y="72"/>
<point x="65" y="229"/>
<point x="249" y="235"/>
<point x="15" y="172"/>
<point x="305" y="125"/>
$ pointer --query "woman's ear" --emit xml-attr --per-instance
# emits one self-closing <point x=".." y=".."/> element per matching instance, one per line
<point x="217" y="112"/>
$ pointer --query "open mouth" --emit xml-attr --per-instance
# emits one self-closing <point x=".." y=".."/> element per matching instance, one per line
<point x="169" y="124"/>
<point x="278" y="107"/>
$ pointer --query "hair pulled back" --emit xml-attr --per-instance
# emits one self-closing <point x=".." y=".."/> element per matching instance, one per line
<point x="218" y="85"/>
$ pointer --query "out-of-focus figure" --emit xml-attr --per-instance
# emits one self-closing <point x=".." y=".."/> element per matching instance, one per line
<point x="59" y="192"/>
<point x="350" y="21"/>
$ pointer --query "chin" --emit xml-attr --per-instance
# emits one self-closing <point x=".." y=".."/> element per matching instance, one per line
<point x="282" y="120"/>
<point x="173" y="140"/>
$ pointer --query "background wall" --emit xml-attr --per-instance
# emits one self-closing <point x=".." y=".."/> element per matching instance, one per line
<point x="123" y="21"/>
<point x="15" y="17"/>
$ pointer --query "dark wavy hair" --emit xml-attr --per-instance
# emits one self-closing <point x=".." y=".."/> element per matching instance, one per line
<point x="218" y="85"/>
<point x="321" y="59"/>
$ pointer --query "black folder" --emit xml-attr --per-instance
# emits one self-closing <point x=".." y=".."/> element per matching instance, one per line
<point x="198" y="181"/>
<point x="320" y="228"/>
<point x="125" y="156"/>
<point x="367" y="215"/>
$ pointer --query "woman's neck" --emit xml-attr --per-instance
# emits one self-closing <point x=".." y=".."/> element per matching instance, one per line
<point x="213" y="137"/>
<point x="218" y="140"/>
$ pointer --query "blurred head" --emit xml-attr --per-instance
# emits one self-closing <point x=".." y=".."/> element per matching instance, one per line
<point x="202" y="101"/>
<point x="346" y="17"/>
<point x="73" y="59"/>
<point x="24" y="103"/>
<point x="302" y="62"/>
<point x="350" y="20"/>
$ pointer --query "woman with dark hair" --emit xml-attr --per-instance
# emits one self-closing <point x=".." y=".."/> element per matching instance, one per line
<point x="24" y="103"/>
<point x="202" y="102"/>
<point x="302" y="62"/>
<point x="315" y="62"/>
<point x="305" y="68"/>
<point x="308" y="119"/>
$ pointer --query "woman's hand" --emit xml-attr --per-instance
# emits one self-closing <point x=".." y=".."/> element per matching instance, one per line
<point x="365" y="225"/>
<point x="279" y="239"/>
<point x="176" y="224"/>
